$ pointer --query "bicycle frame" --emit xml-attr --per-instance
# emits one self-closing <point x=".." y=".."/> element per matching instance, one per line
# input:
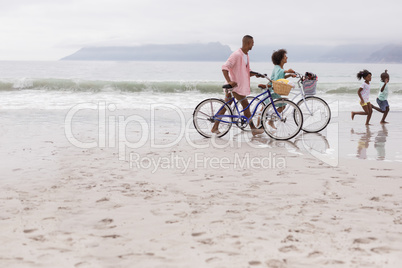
<point x="217" y="115"/>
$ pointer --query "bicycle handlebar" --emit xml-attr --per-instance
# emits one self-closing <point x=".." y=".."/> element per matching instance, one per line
<point x="260" y="75"/>
<point x="228" y="86"/>
<point x="298" y="75"/>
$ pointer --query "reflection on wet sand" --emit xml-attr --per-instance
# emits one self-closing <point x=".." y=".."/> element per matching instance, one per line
<point x="301" y="144"/>
<point x="365" y="139"/>
<point x="379" y="142"/>
<point x="345" y="140"/>
<point x="363" y="142"/>
<point x="315" y="144"/>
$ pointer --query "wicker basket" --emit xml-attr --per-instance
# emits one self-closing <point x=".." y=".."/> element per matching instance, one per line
<point x="281" y="88"/>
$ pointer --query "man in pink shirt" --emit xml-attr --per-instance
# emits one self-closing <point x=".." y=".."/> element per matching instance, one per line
<point x="236" y="71"/>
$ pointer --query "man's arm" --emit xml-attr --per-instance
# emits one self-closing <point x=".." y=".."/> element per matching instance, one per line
<point x="227" y="78"/>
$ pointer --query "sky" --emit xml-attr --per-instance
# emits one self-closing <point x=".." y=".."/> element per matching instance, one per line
<point x="52" y="29"/>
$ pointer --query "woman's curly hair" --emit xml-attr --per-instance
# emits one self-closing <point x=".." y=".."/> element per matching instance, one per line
<point x="278" y="55"/>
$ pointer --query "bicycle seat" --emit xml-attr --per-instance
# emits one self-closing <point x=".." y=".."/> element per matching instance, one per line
<point x="227" y="86"/>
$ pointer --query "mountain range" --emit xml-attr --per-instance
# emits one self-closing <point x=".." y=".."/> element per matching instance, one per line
<point x="390" y="53"/>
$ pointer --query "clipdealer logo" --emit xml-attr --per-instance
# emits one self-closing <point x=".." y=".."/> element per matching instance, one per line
<point x="203" y="161"/>
<point x="113" y="131"/>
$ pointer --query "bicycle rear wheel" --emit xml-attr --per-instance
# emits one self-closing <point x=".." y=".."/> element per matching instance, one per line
<point x="257" y="116"/>
<point x="204" y="117"/>
<point x="285" y="127"/>
<point x="316" y="114"/>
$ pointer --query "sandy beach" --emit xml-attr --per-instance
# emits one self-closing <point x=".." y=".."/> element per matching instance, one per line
<point x="173" y="199"/>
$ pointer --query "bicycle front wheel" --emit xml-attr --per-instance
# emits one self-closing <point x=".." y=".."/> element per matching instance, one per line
<point x="205" y="117"/>
<point x="285" y="124"/>
<point x="316" y="114"/>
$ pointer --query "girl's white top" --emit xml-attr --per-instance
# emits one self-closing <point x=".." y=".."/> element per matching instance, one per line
<point x="365" y="92"/>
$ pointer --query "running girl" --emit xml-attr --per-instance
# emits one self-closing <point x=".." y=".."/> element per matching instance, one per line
<point x="364" y="95"/>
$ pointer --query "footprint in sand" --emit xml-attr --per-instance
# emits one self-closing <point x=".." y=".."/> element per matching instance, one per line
<point x="214" y="259"/>
<point x="367" y="240"/>
<point x="381" y="250"/>
<point x="82" y="264"/>
<point x="39" y="238"/>
<point x="197" y="234"/>
<point x="334" y="262"/>
<point x="181" y="214"/>
<point x="360" y="251"/>
<point x="315" y="254"/>
<point x="105" y="224"/>
<point x="102" y="200"/>
<point x="254" y="263"/>
<point x="290" y="238"/>
<point x="114" y="236"/>
<point x="288" y="249"/>
<point x="171" y="221"/>
<point x="398" y="220"/>
<point x="207" y="241"/>
<point x="276" y="263"/>
<point x="27" y="231"/>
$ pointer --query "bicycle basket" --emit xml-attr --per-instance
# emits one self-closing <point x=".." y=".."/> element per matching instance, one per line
<point x="309" y="86"/>
<point x="281" y="88"/>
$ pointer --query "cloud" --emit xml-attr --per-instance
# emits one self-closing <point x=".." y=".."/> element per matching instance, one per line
<point x="61" y="27"/>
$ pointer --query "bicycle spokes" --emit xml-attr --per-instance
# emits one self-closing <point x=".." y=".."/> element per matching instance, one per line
<point x="284" y="121"/>
<point x="212" y="117"/>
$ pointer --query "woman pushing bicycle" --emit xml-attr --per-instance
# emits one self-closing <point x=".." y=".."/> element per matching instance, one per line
<point x="279" y="58"/>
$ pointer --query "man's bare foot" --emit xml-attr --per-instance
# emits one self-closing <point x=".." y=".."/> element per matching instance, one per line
<point x="256" y="131"/>
<point x="215" y="131"/>
<point x="368" y="124"/>
<point x="384" y="122"/>
<point x="353" y="115"/>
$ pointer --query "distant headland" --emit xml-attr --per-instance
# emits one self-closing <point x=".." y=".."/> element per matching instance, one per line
<point x="177" y="52"/>
<point x="216" y="51"/>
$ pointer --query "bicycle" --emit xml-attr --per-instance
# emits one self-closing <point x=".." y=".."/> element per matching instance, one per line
<point x="316" y="111"/>
<point x="281" y="125"/>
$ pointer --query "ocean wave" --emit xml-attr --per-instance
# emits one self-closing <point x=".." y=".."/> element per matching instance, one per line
<point x="105" y="86"/>
<point x="394" y="89"/>
<point x="76" y="85"/>
<point x="341" y="90"/>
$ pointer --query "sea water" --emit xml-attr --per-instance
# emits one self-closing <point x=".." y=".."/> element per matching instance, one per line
<point x="62" y="85"/>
